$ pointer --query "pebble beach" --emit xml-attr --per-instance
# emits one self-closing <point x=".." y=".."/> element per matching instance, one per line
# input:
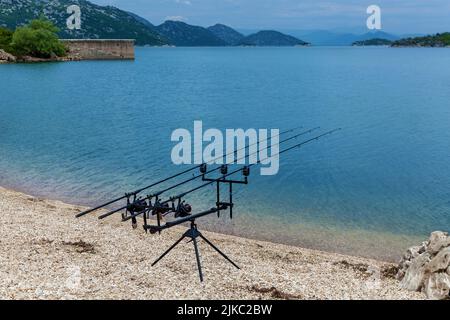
<point x="46" y="253"/>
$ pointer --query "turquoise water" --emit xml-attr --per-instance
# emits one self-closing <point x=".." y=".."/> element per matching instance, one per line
<point x="84" y="132"/>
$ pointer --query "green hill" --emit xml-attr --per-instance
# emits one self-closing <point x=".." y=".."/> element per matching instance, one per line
<point x="227" y="34"/>
<point x="271" y="38"/>
<point x="98" y="22"/>
<point x="184" y="35"/>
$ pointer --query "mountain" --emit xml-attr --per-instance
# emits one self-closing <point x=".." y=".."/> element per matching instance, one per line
<point x="227" y="34"/>
<point x="271" y="38"/>
<point x="184" y="35"/>
<point x="97" y="21"/>
<point x="372" y="42"/>
<point x="438" y="40"/>
<point x="144" y="21"/>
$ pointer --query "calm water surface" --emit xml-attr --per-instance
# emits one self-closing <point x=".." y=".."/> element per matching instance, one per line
<point x="84" y="132"/>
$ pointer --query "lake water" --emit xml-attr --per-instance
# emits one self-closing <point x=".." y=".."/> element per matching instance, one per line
<point x="84" y="132"/>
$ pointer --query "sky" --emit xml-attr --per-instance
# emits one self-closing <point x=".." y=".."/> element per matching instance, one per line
<point x="397" y="16"/>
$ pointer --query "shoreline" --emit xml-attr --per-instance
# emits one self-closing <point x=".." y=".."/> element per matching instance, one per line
<point x="350" y="242"/>
<point x="73" y="58"/>
<point x="52" y="255"/>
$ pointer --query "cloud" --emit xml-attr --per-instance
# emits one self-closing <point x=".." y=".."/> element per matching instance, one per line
<point x="186" y="2"/>
<point x="175" y="18"/>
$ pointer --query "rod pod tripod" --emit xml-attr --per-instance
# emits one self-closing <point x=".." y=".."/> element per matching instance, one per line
<point x="193" y="234"/>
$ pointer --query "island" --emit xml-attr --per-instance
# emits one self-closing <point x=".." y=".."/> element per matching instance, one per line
<point x="439" y="40"/>
<point x="271" y="38"/>
<point x="372" y="42"/>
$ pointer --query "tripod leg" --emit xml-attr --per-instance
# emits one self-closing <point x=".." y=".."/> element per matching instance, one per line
<point x="220" y="252"/>
<point x="194" y="240"/>
<point x="168" y="250"/>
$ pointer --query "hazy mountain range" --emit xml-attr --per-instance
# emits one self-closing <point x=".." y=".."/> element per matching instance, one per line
<point x="108" y="22"/>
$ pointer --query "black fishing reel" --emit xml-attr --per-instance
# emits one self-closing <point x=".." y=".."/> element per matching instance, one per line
<point x="183" y="210"/>
<point x="134" y="208"/>
<point x="203" y="168"/>
<point x="138" y="206"/>
<point x="224" y="169"/>
<point x="161" y="209"/>
<point x="246" y="171"/>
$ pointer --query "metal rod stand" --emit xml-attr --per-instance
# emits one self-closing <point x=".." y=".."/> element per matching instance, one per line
<point x="193" y="234"/>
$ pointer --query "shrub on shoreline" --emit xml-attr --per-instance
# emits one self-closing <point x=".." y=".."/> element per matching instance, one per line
<point x="5" y="39"/>
<point x="38" y="39"/>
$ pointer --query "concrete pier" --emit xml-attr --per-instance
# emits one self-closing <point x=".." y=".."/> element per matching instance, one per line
<point x="100" y="49"/>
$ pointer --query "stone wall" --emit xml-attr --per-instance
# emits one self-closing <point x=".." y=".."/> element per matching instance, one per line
<point x="100" y="49"/>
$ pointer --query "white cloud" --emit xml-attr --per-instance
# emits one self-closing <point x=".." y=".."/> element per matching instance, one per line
<point x="186" y="2"/>
<point x="175" y="18"/>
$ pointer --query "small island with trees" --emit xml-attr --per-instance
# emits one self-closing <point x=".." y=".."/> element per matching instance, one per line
<point x="439" y="40"/>
<point x="372" y="42"/>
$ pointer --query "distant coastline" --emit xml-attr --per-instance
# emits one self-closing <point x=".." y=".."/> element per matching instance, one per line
<point x="439" y="40"/>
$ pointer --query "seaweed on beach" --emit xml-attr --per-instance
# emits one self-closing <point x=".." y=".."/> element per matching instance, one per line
<point x="81" y="246"/>
<point x="359" y="267"/>
<point x="34" y="199"/>
<point x="43" y="241"/>
<point x="274" y="293"/>
<point x="389" y="271"/>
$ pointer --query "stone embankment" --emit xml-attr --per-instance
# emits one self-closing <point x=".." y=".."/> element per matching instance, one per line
<point x="83" y="49"/>
<point x="426" y="267"/>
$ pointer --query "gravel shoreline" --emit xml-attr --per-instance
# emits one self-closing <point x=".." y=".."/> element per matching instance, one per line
<point x="48" y="254"/>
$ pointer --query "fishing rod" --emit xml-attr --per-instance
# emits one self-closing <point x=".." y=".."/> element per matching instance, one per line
<point x="193" y="233"/>
<point x="245" y="169"/>
<point x="203" y="170"/>
<point x="134" y="193"/>
<point x="250" y="165"/>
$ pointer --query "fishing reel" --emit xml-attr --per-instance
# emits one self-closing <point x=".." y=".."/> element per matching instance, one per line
<point x="161" y="209"/>
<point x="135" y="206"/>
<point x="224" y="169"/>
<point x="183" y="209"/>
<point x="138" y="206"/>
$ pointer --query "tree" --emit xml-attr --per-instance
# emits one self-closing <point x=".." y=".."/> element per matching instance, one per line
<point x="38" y="39"/>
<point x="5" y="39"/>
